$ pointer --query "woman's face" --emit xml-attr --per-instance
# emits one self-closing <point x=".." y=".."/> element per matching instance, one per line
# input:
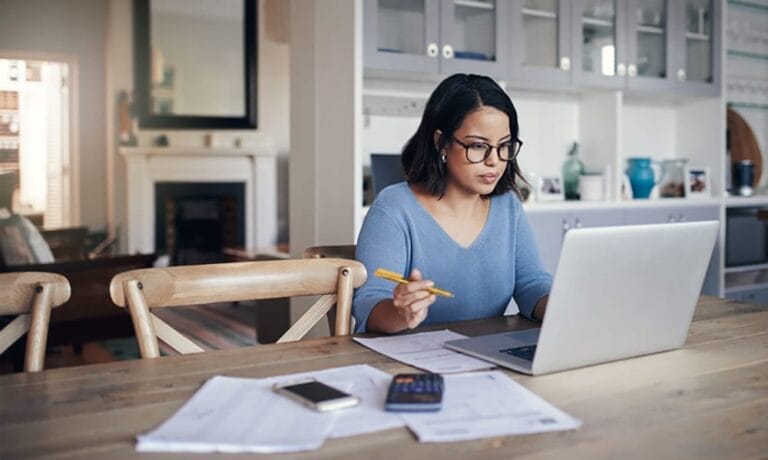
<point x="485" y="125"/>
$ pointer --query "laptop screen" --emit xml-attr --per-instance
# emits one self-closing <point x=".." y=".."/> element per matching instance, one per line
<point x="386" y="169"/>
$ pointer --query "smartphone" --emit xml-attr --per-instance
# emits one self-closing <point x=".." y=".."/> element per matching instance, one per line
<point x="316" y="395"/>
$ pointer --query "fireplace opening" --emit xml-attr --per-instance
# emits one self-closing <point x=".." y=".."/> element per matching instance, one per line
<point x="195" y="221"/>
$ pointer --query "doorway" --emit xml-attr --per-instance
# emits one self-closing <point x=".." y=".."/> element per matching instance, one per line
<point x="35" y="139"/>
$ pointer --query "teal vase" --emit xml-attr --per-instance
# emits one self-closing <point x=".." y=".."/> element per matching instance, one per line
<point x="641" y="176"/>
<point x="573" y="168"/>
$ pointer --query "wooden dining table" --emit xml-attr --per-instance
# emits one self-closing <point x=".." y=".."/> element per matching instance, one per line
<point x="708" y="399"/>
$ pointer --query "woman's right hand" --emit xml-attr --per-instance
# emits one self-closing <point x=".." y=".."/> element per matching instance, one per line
<point x="412" y="300"/>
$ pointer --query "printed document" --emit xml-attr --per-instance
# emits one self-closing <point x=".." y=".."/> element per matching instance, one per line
<point x="425" y="351"/>
<point x="487" y="404"/>
<point x="229" y="414"/>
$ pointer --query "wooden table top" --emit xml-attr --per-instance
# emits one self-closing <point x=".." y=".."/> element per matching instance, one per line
<point x="706" y="400"/>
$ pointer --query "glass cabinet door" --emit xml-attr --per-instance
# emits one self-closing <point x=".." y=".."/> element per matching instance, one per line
<point x="472" y="37"/>
<point x="599" y="41"/>
<point x="401" y="34"/>
<point x="698" y="41"/>
<point x="696" y="66"/>
<point x="541" y="36"/>
<point x="648" y="47"/>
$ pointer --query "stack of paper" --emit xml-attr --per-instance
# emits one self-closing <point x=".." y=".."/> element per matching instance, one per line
<point x="487" y="404"/>
<point x="425" y="350"/>
<point x="232" y="414"/>
<point x="244" y="415"/>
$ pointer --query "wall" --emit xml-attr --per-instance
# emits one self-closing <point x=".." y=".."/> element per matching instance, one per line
<point x="77" y="28"/>
<point x="273" y="102"/>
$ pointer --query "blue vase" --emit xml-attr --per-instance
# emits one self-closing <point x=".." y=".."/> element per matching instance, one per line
<point x="641" y="176"/>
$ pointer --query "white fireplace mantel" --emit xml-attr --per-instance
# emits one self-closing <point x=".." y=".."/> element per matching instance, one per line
<point x="254" y="165"/>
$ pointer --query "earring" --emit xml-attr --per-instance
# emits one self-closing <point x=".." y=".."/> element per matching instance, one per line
<point x="444" y="158"/>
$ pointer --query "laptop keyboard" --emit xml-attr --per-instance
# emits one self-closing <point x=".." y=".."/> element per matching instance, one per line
<point x="525" y="352"/>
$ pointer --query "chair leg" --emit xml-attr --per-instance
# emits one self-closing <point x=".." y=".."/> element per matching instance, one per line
<point x="142" y="324"/>
<point x="38" y="328"/>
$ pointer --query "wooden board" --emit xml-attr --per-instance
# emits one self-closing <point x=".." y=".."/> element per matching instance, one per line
<point x="744" y="144"/>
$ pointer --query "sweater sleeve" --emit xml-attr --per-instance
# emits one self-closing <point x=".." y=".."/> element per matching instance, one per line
<point x="382" y="243"/>
<point x="532" y="280"/>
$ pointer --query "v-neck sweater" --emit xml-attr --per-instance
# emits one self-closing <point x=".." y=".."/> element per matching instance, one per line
<point x="398" y="234"/>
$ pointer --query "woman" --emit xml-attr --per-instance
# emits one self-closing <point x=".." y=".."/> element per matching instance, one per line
<point x="453" y="223"/>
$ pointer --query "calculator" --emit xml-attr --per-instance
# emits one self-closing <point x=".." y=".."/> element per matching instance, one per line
<point x="415" y="393"/>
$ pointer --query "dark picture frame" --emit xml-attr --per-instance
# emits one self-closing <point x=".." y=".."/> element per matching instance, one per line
<point x="142" y="83"/>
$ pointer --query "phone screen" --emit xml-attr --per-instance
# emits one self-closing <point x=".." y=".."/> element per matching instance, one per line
<point x="315" y="391"/>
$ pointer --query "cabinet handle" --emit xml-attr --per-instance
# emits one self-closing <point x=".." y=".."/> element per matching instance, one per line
<point x="566" y="227"/>
<point x="448" y="52"/>
<point x="681" y="217"/>
<point x="565" y="63"/>
<point x="432" y="50"/>
<point x="621" y="69"/>
<point x="632" y="70"/>
<point x="681" y="74"/>
<point x="671" y="218"/>
<point x="577" y="223"/>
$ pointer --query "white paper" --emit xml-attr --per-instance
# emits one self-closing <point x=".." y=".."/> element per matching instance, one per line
<point x="232" y="414"/>
<point x="487" y="404"/>
<point x="425" y="351"/>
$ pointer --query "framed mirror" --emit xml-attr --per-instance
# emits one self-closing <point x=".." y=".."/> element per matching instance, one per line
<point x="195" y="63"/>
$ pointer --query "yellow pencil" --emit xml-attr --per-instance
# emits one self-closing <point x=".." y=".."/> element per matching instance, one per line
<point x="392" y="276"/>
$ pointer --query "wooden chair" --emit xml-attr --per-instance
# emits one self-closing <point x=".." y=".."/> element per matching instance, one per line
<point x="140" y="290"/>
<point x="343" y="251"/>
<point x="31" y="296"/>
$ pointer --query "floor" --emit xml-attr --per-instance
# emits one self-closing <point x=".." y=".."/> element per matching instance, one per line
<point x="219" y="326"/>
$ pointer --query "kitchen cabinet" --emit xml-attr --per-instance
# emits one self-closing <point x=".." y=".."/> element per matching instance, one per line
<point x="549" y="228"/>
<point x="541" y="41"/>
<point x="672" y="214"/>
<point x="436" y="37"/>
<point x="690" y="213"/>
<point x="648" y="45"/>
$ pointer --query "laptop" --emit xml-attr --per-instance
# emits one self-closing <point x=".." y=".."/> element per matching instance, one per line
<point x="618" y="292"/>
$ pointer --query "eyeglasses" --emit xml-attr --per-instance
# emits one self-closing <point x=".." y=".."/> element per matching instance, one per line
<point x="477" y="151"/>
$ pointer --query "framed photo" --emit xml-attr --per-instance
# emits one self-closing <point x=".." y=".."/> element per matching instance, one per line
<point x="697" y="182"/>
<point x="549" y="188"/>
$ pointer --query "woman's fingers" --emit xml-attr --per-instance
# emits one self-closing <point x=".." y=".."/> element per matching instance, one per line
<point x="403" y="297"/>
<point x="418" y="311"/>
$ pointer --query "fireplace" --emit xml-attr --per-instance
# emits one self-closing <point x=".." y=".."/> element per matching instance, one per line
<point x="254" y="169"/>
<point x="195" y="221"/>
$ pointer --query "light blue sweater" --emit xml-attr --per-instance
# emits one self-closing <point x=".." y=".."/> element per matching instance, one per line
<point x="398" y="234"/>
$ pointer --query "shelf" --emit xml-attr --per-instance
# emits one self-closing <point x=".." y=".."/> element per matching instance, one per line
<point x="650" y="30"/>
<point x="749" y="5"/>
<point x="746" y="201"/>
<point x="539" y="13"/>
<point x="747" y="105"/>
<point x="746" y="268"/>
<point x="748" y="54"/>
<point x="697" y="37"/>
<point x="474" y="4"/>
<point x="597" y="22"/>
<point x="746" y="287"/>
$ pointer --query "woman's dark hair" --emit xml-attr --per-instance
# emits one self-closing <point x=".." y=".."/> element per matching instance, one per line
<point x="453" y="99"/>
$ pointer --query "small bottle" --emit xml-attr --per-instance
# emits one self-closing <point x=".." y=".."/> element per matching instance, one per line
<point x="573" y="168"/>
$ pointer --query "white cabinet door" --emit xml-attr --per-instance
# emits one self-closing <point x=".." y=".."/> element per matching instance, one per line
<point x="549" y="228"/>
<point x="674" y="214"/>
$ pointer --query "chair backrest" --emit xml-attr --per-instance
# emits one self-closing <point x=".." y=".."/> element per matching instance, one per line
<point x="140" y="290"/>
<point x="343" y="251"/>
<point x="31" y="296"/>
